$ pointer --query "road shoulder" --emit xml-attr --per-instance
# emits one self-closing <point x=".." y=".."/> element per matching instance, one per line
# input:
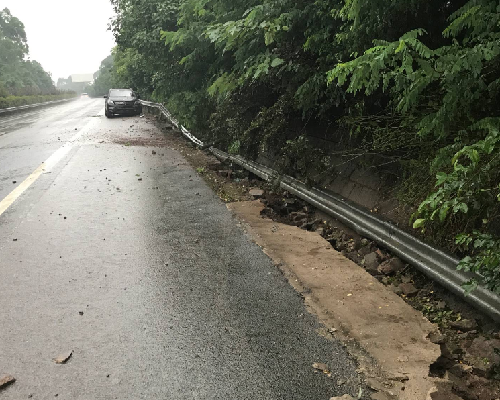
<point x="350" y="301"/>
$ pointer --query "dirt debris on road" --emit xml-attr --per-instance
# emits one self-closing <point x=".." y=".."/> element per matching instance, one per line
<point x="6" y="380"/>
<point x="64" y="357"/>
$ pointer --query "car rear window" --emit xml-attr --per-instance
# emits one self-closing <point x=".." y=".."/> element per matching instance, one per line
<point x="121" y="93"/>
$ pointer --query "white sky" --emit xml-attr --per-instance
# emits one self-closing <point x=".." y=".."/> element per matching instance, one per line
<point x="65" y="36"/>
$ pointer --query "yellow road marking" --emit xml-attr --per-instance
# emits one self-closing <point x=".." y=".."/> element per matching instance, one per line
<point x="18" y="191"/>
<point x="45" y="167"/>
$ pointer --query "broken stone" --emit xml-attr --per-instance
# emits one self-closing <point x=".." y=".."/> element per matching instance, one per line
<point x="381" y="255"/>
<point x="437" y="338"/>
<point x="467" y="335"/>
<point x="321" y="367"/>
<point x="482" y="356"/>
<point x="440" y="305"/>
<point x="391" y="266"/>
<point x="363" y="251"/>
<point x="408" y="289"/>
<point x="344" y="397"/>
<point x="312" y="224"/>
<point x="63" y="358"/>
<point x="6" y="380"/>
<point x="353" y="255"/>
<point x="365" y="242"/>
<point x="460" y="369"/>
<point x="320" y="231"/>
<point x="396" y="289"/>
<point x="256" y="193"/>
<point x="371" y="262"/>
<point x="464" y="325"/>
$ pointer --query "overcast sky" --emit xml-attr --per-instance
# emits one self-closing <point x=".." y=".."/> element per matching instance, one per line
<point x="65" y="36"/>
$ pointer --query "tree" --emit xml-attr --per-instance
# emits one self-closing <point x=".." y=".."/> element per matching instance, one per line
<point x="19" y="76"/>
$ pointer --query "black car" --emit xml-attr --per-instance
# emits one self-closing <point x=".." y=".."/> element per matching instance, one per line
<point x="122" y="101"/>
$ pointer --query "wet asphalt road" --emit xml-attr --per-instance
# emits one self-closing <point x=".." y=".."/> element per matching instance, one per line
<point x="128" y="259"/>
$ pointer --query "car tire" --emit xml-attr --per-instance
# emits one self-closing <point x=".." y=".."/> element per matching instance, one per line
<point x="106" y="113"/>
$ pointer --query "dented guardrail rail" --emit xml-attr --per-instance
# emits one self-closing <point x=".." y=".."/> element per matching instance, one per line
<point x="436" y="264"/>
<point x="174" y="122"/>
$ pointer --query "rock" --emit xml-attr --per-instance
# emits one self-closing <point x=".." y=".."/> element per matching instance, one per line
<point x="440" y="305"/>
<point x="371" y="262"/>
<point x="256" y="193"/>
<point x="396" y="289"/>
<point x="460" y="369"/>
<point x="6" y="380"/>
<point x="353" y="256"/>
<point x="298" y="216"/>
<point x="63" y="358"/>
<point x="320" y="231"/>
<point x="153" y="152"/>
<point x="464" y="325"/>
<point x="352" y="245"/>
<point x="467" y="335"/>
<point x="436" y="337"/>
<point x="406" y="278"/>
<point x="311" y="225"/>
<point x="408" y="289"/>
<point x="344" y="397"/>
<point x="381" y="255"/>
<point x="363" y="251"/>
<point x="482" y="356"/>
<point x="321" y="367"/>
<point x="391" y="266"/>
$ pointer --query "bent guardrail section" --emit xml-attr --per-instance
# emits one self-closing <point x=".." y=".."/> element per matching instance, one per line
<point x="436" y="264"/>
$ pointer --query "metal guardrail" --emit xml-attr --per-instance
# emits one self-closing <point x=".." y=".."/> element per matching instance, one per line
<point x="174" y="122"/>
<point x="436" y="264"/>
<point x="47" y="103"/>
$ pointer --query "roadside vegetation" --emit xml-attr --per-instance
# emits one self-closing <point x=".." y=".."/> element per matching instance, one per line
<point x="22" y="81"/>
<point x="413" y="83"/>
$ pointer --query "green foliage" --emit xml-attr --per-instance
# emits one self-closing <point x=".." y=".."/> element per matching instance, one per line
<point x="451" y="94"/>
<point x="19" y="76"/>
<point x="16" y="101"/>
<point x="412" y="82"/>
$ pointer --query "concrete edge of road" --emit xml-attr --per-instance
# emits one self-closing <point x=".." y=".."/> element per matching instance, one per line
<point x="29" y="106"/>
<point x="436" y="264"/>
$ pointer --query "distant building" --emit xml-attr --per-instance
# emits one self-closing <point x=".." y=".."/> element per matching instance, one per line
<point x="82" y="78"/>
<point x="75" y="82"/>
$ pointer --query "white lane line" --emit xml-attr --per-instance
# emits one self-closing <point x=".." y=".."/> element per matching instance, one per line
<point x="50" y="163"/>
